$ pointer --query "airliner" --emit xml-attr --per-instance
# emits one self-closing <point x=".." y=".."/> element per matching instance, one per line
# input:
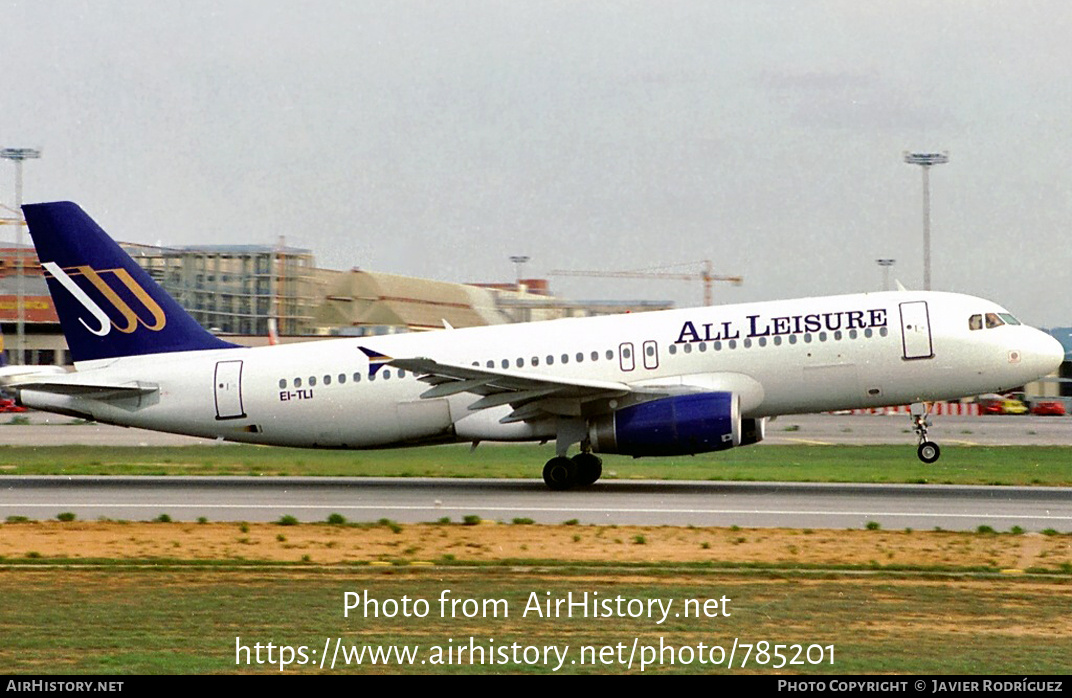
<point x="674" y="382"/>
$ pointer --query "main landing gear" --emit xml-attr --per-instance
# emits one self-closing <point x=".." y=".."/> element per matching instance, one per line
<point x="928" y="451"/>
<point x="562" y="473"/>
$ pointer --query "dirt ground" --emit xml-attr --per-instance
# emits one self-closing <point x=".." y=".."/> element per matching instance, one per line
<point x="487" y="542"/>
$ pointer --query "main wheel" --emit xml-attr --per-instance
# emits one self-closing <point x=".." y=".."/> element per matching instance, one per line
<point x="589" y="468"/>
<point x="928" y="452"/>
<point x="560" y="473"/>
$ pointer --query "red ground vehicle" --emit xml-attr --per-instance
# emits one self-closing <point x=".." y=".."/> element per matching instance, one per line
<point x="8" y="405"/>
<point x="1048" y="407"/>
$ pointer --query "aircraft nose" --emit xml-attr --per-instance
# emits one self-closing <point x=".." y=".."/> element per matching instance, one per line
<point x="1048" y="354"/>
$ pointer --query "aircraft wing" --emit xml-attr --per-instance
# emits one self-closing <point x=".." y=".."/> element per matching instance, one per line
<point x="534" y="396"/>
<point x="530" y="394"/>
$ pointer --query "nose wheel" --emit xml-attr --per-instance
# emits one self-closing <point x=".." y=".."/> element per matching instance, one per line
<point x="928" y="451"/>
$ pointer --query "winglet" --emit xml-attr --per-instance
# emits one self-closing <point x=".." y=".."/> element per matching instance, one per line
<point x="376" y="360"/>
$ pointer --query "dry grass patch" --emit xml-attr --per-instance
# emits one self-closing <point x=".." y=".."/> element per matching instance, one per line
<point x="489" y="543"/>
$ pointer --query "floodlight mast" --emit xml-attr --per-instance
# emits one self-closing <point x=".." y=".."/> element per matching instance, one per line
<point x="18" y="156"/>
<point x="926" y="161"/>
<point x="519" y="261"/>
<point x="885" y="263"/>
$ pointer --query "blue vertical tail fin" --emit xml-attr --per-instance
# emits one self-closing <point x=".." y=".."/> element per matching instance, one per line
<point x="108" y="306"/>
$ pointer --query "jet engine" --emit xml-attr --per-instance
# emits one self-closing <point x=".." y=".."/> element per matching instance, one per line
<point x="672" y="426"/>
<point x="753" y="430"/>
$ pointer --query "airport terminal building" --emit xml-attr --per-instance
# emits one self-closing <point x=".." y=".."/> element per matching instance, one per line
<point x="239" y="291"/>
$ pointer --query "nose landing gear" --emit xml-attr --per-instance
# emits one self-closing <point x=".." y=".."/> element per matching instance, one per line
<point x="928" y="451"/>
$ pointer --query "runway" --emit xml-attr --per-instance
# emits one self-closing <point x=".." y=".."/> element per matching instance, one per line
<point x="609" y="502"/>
<point x="413" y="500"/>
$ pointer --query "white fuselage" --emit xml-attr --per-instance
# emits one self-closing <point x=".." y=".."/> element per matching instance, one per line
<point x="781" y="357"/>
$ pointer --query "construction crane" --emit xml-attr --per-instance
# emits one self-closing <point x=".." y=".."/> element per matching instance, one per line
<point x="11" y="216"/>
<point x="706" y="275"/>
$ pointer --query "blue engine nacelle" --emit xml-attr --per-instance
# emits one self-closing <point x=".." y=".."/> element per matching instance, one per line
<point x="673" y="426"/>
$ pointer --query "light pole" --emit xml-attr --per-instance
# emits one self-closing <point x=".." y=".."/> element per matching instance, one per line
<point x="926" y="161"/>
<point x="885" y="264"/>
<point x="18" y="155"/>
<point x="519" y="261"/>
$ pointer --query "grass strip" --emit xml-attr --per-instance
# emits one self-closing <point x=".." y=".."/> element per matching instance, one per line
<point x="989" y="465"/>
<point x="198" y="620"/>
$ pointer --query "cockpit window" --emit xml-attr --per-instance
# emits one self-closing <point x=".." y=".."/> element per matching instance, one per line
<point x="1009" y="319"/>
<point x="975" y="322"/>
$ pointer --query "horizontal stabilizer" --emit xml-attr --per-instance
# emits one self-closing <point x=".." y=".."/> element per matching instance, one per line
<point x="86" y="390"/>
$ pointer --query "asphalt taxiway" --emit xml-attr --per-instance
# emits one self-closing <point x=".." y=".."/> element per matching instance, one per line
<point x="53" y="430"/>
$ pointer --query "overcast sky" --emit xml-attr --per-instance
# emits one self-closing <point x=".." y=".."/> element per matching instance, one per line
<point x="436" y="139"/>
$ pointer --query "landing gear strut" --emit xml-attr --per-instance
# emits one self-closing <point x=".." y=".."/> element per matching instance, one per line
<point x="928" y="451"/>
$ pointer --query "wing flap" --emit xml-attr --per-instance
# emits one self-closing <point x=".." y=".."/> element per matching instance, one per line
<point x="433" y="371"/>
<point x="533" y="396"/>
<point x="515" y="397"/>
<point x="446" y="387"/>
